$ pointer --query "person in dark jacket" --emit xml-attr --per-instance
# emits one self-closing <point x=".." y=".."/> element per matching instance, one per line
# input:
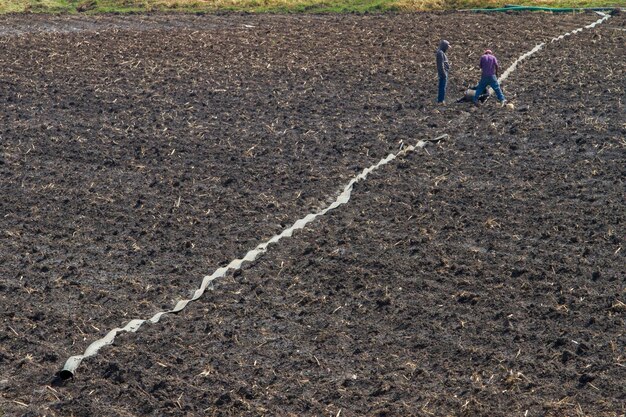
<point x="443" y="68"/>
<point x="489" y="77"/>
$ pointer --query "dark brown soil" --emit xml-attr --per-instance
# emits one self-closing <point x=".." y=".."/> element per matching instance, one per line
<point x="481" y="276"/>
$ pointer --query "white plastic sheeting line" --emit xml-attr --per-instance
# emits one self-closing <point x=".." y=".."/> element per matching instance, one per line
<point x="132" y="326"/>
<point x="537" y="48"/>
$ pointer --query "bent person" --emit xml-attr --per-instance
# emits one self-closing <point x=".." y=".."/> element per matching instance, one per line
<point x="489" y="76"/>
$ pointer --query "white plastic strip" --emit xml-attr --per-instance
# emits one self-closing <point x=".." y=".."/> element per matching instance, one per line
<point x="132" y="326"/>
<point x="513" y="66"/>
<point x="537" y="48"/>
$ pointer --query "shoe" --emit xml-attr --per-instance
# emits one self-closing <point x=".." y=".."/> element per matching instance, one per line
<point x="503" y="103"/>
<point x="476" y="104"/>
<point x="441" y="103"/>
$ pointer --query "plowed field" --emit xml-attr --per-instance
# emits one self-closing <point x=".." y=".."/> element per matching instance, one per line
<point x="483" y="275"/>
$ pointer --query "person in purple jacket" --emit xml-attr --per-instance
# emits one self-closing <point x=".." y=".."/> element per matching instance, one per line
<point x="443" y="67"/>
<point x="489" y="77"/>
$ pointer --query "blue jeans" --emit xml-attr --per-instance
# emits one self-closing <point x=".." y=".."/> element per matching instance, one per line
<point x="492" y="81"/>
<point x="442" y="89"/>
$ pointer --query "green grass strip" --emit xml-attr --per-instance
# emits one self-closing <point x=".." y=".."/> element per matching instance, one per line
<point x="283" y="6"/>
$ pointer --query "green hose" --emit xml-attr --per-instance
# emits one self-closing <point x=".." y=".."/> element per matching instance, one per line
<point x="514" y="8"/>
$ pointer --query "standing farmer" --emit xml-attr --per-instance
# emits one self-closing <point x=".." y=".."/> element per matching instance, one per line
<point x="489" y="77"/>
<point x="443" y="67"/>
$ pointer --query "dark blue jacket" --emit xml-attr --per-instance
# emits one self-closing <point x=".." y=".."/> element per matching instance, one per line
<point x="443" y="65"/>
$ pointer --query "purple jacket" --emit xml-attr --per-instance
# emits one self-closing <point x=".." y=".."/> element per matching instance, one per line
<point x="488" y="65"/>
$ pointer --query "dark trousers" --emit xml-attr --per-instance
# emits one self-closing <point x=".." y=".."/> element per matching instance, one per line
<point x="443" y="81"/>
<point x="491" y="81"/>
